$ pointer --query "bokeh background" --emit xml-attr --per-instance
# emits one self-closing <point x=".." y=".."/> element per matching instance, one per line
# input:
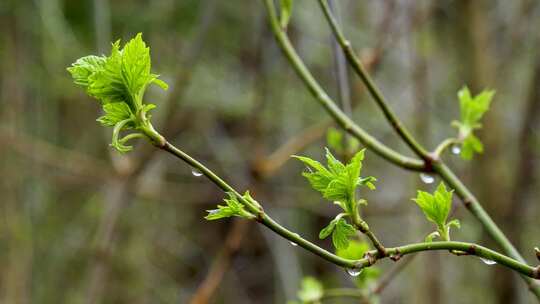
<point x="80" y="223"/>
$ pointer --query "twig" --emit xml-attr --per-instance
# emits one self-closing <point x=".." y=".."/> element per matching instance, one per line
<point x="371" y="256"/>
<point x="320" y="95"/>
<point x="428" y="164"/>
<point x="370" y="84"/>
<point x="220" y="263"/>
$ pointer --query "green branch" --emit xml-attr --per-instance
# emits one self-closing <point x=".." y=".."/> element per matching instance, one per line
<point x="443" y="146"/>
<point x="371" y="256"/>
<point x="429" y="163"/>
<point x="261" y="217"/>
<point x="370" y="84"/>
<point x="320" y="95"/>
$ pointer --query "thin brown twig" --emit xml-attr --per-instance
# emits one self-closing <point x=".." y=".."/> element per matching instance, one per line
<point x="221" y="263"/>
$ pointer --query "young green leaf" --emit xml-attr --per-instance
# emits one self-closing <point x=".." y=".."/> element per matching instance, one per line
<point x="436" y="208"/>
<point x="354" y="251"/>
<point x="472" y="109"/>
<point x="311" y="290"/>
<point x="115" y="113"/>
<point x="341" y="234"/>
<point x="286" y="12"/>
<point x="232" y="208"/>
<point x="118" y="82"/>
<point x="337" y="182"/>
<point x="326" y="231"/>
<point x="471" y="144"/>
<point x="84" y="67"/>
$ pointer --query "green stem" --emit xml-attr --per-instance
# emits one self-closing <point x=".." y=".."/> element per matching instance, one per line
<point x="428" y="163"/>
<point x="370" y="84"/>
<point x="320" y="95"/>
<point x="432" y="160"/>
<point x="131" y="136"/>
<point x="262" y="217"/>
<point x="445" y="144"/>
<point x="364" y="228"/>
<point x="372" y="256"/>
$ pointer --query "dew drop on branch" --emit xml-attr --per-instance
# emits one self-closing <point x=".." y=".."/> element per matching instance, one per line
<point x="488" y="262"/>
<point x="456" y="149"/>
<point x="354" y="272"/>
<point x="426" y="178"/>
<point x="196" y="172"/>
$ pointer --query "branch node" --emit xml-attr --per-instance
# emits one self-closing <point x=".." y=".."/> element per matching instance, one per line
<point x="472" y="250"/>
<point x="371" y="258"/>
<point x="467" y="201"/>
<point x="536" y="272"/>
<point x="396" y="256"/>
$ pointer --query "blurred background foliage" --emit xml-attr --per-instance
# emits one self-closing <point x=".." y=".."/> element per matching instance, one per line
<point x="80" y="223"/>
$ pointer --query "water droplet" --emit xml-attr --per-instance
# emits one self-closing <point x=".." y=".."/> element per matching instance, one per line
<point x="456" y="149"/>
<point x="354" y="272"/>
<point x="308" y="170"/>
<point x="214" y="211"/>
<point x="488" y="262"/>
<point x="426" y="178"/>
<point x="196" y="172"/>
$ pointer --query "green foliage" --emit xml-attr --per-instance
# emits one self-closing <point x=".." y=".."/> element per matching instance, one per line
<point x="232" y="208"/>
<point x="472" y="109"/>
<point x="311" y="290"/>
<point x="340" y="230"/>
<point x="119" y="82"/>
<point x="436" y="208"/>
<point x="354" y="251"/>
<point x="334" y="139"/>
<point x="286" y="12"/>
<point x="337" y="182"/>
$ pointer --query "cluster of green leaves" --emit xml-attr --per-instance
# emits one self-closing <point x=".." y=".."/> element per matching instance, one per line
<point x="339" y="143"/>
<point x="119" y="82"/>
<point x="436" y="208"/>
<point x="471" y="109"/>
<point x="338" y="182"/>
<point x="232" y="207"/>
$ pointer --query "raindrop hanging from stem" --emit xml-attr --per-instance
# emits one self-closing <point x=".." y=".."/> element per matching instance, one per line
<point x="488" y="262"/>
<point x="354" y="272"/>
<point x="426" y="178"/>
<point x="456" y="149"/>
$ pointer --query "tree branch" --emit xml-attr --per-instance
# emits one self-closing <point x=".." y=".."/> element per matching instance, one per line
<point x="370" y="84"/>
<point x="320" y="95"/>
<point x="372" y="256"/>
<point x="428" y="163"/>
